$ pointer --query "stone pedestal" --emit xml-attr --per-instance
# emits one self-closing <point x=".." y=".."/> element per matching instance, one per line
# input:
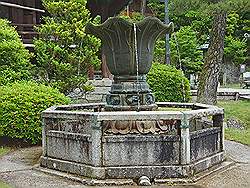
<point x="82" y="140"/>
<point x="130" y="93"/>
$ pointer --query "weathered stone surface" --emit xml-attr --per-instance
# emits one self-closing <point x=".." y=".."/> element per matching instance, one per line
<point x="172" y="171"/>
<point x="69" y="146"/>
<point x="105" y="82"/>
<point x="205" y="142"/>
<point x="130" y="150"/>
<point x="141" y="127"/>
<point x="75" y="141"/>
<point x="73" y="167"/>
<point x="70" y="126"/>
<point x="208" y="162"/>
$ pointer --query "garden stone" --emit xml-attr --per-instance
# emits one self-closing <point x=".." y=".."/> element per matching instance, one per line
<point x="234" y="123"/>
<point x="144" y="181"/>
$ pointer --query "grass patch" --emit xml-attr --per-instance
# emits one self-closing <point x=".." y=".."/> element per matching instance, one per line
<point x="238" y="110"/>
<point x="242" y="136"/>
<point x="3" y="151"/>
<point x="4" y="185"/>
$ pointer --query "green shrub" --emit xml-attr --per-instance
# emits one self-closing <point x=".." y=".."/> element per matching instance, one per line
<point x="168" y="83"/>
<point x="21" y="105"/>
<point x="64" y="51"/>
<point x="14" y="58"/>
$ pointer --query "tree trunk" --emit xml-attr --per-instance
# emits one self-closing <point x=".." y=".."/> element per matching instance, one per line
<point x="208" y="81"/>
<point x="143" y="7"/>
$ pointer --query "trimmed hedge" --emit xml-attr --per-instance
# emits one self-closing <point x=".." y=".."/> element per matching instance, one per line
<point x="21" y="104"/>
<point x="168" y="84"/>
<point x="14" y="58"/>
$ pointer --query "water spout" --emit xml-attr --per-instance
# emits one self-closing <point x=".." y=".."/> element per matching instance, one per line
<point x="137" y="69"/>
<point x="180" y="66"/>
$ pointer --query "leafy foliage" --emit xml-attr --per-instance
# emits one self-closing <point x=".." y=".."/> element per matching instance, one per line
<point x="168" y="83"/>
<point x="232" y="23"/>
<point x="158" y="8"/>
<point x="235" y="47"/>
<point x="14" y="58"/>
<point x="133" y="17"/>
<point x="196" y="16"/>
<point x="160" y="51"/>
<point x="184" y="50"/>
<point x="3" y="151"/>
<point x="21" y="105"/>
<point x="183" y="13"/>
<point x="189" y="54"/>
<point x="235" y="50"/>
<point x="64" y="50"/>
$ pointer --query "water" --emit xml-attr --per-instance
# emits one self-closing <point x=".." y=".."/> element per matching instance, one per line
<point x="137" y="68"/>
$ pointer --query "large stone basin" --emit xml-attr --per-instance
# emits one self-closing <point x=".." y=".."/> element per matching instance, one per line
<point x="85" y="140"/>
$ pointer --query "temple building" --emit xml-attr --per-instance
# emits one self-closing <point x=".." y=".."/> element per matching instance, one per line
<point x="24" y="14"/>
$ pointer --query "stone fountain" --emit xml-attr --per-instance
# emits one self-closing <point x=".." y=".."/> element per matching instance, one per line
<point x="128" y="137"/>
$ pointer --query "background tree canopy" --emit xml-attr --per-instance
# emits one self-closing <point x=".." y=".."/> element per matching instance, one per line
<point x="197" y="15"/>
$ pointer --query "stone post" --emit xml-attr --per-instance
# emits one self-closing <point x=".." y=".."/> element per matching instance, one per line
<point x="185" y="141"/>
<point x="218" y="122"/>
<point x="96" y="149"/>
<point x="45" y="124"/>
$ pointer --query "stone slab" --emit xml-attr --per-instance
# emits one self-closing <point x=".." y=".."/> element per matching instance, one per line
<point x="87" y="181"/>
<point x="132" y="172"/>
<point x="204" y="111"/>
<point x="103" y="82"/>
<point x="134" y="150"/>
<point x="205" y="142"/>
<point x="73" y="167"/>
<point x="243" y="152"/>
<point x="63" y="145"/>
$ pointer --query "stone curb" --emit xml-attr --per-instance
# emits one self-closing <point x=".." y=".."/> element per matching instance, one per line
<point x="121" y="182"/>
<point x="87" y="181"/>
<point x="218" y="168"/>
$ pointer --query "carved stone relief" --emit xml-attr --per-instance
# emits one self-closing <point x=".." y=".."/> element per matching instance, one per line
<point x="141" y="127"/>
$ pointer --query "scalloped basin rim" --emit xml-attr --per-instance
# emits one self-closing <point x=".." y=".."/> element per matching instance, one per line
<point x="111" y="20"/>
